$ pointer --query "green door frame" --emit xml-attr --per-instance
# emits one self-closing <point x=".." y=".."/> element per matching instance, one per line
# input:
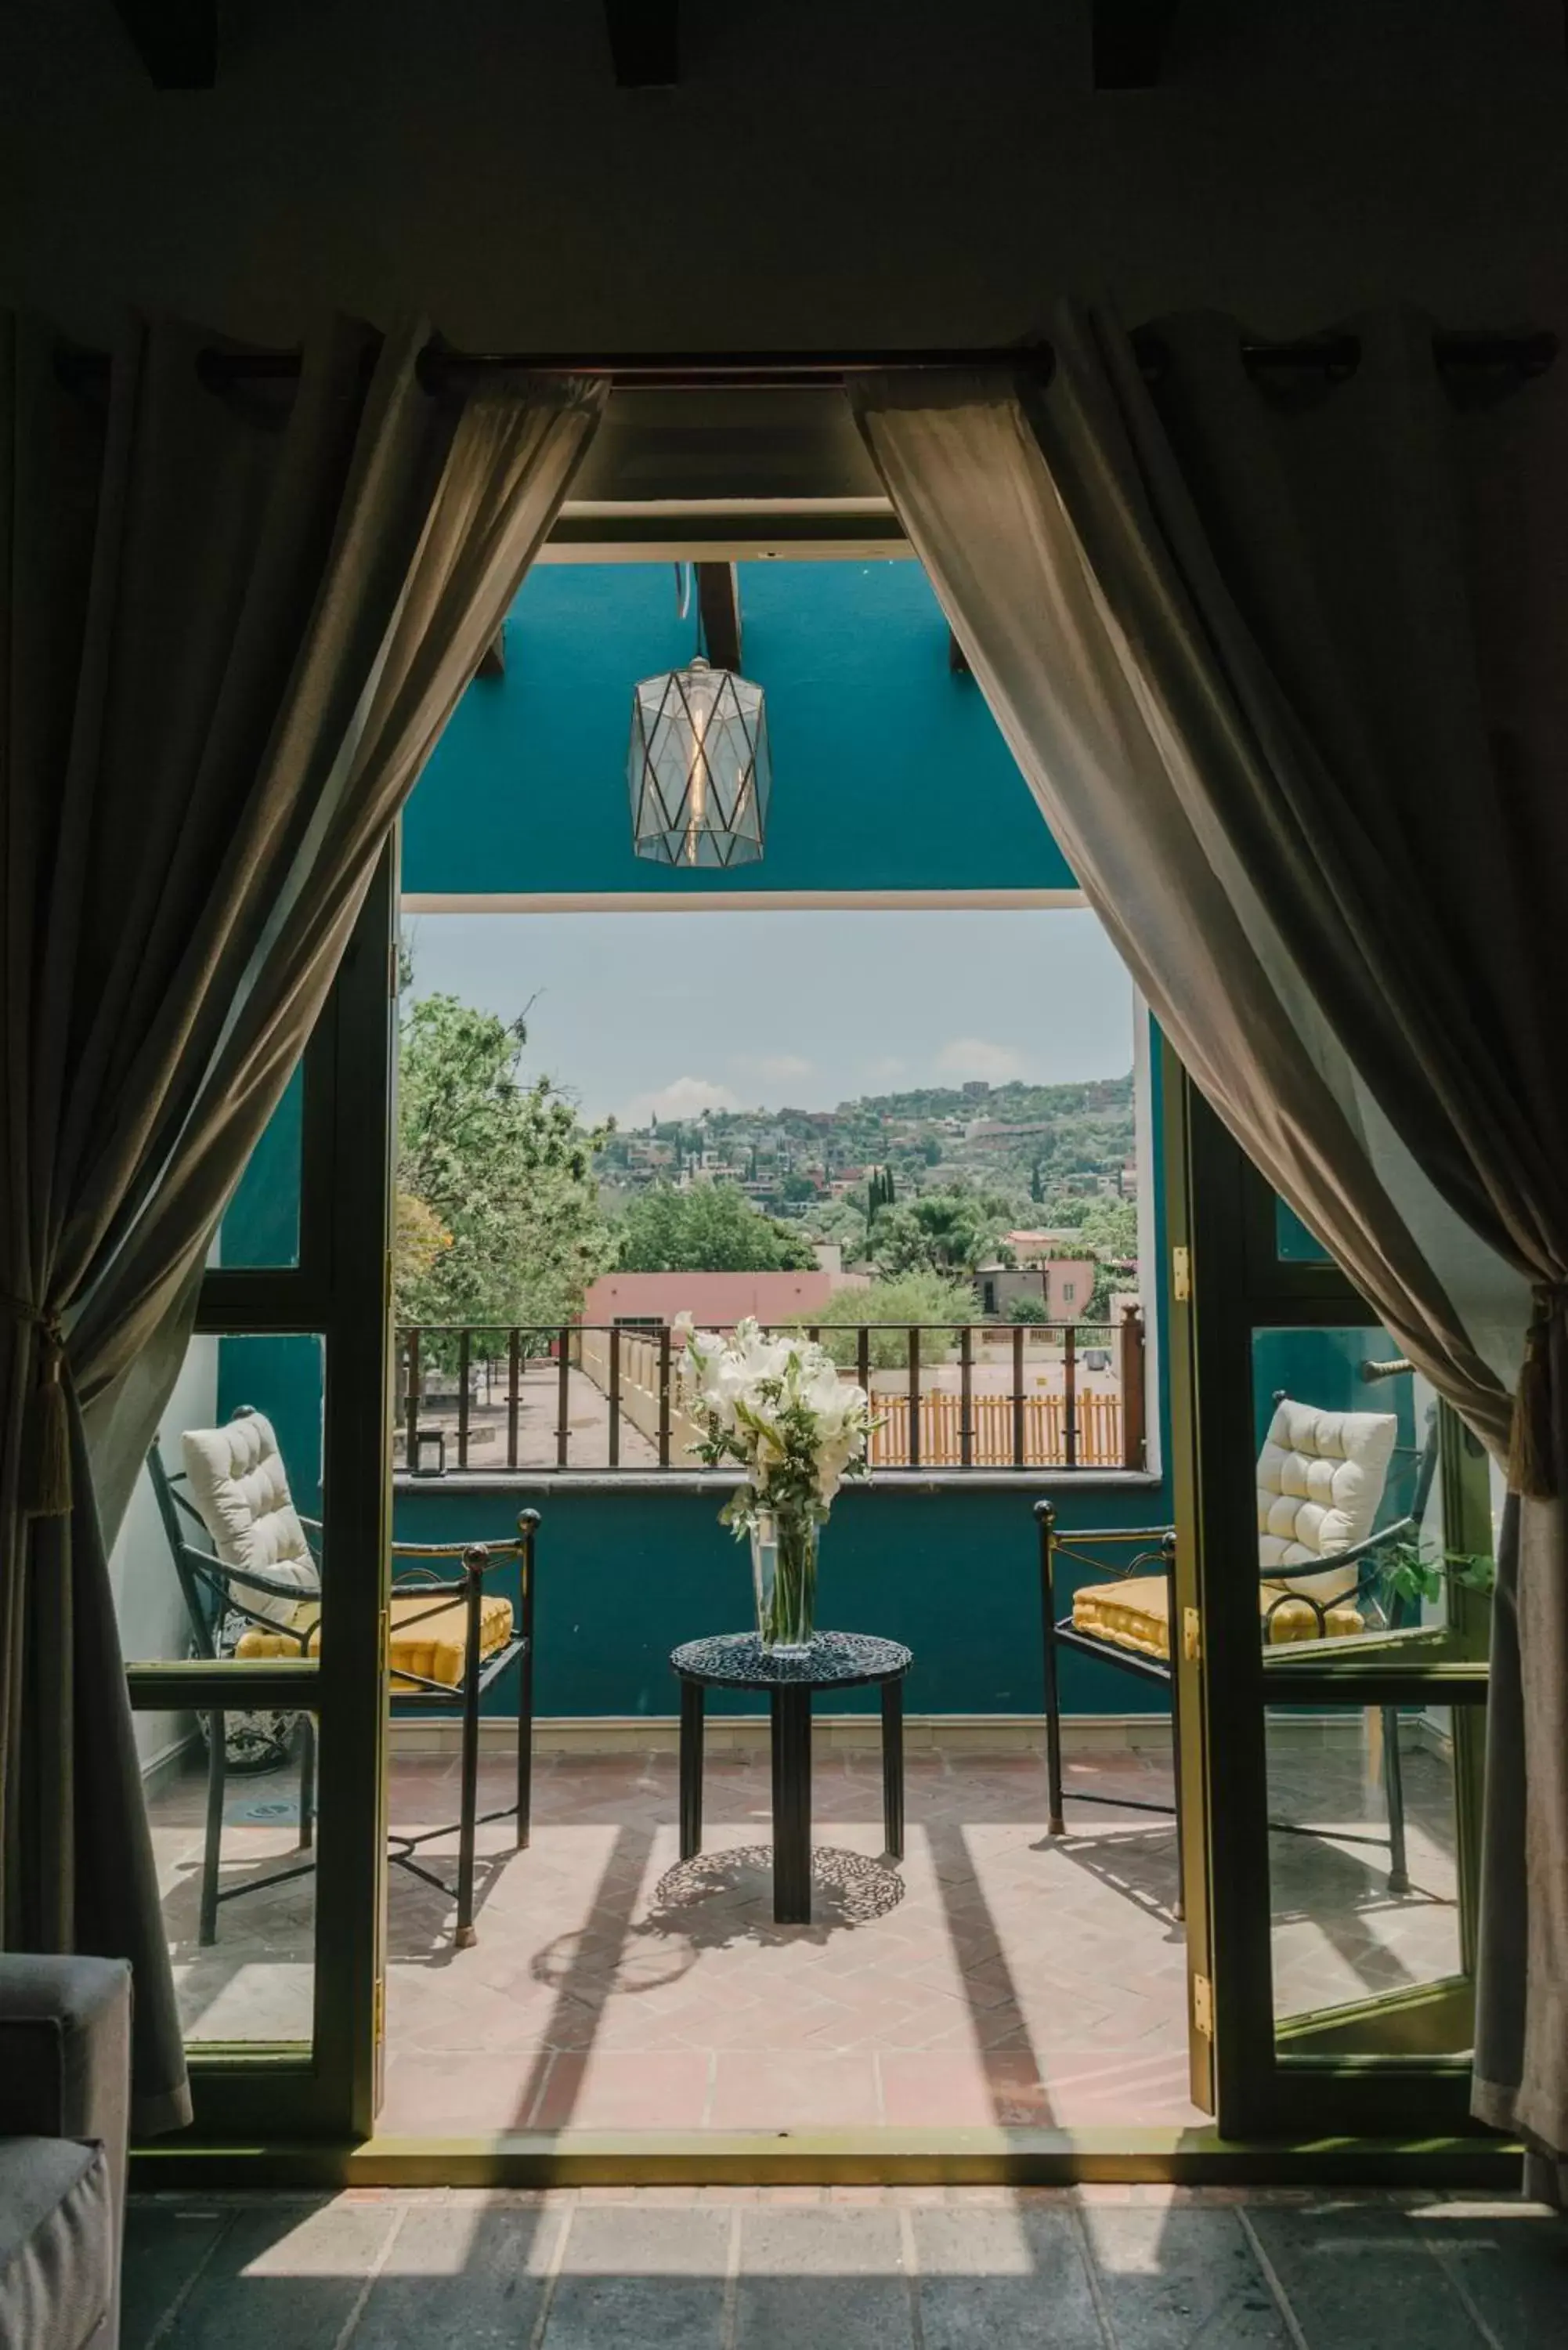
<point x="1222" y="1214"/>
<point x="341" y="1291"/>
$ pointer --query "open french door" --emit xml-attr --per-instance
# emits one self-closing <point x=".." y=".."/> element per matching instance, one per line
<point x="1331" y="1778"/>
<point x="273" y="1886"/>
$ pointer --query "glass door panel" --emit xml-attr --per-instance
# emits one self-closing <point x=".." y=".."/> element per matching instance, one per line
<point x="1370" y="1904"/>
<point x="1339" y="1536"/>
<point x="269" y="1837"/>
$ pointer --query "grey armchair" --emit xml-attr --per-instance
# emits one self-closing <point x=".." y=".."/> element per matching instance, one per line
<point x="64" y="2078"/>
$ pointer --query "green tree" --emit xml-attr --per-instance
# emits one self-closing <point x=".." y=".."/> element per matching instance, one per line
<point x="711" y="1228"/>
<point x="1027" y="1309"/>
<point x="938" y="1301"/>
<point x="941" y="1231"/>
<point x="1110" y="1227"/>
<point x="498" y="1213"/>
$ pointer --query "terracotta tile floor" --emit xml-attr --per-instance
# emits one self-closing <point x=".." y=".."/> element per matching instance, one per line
<point x="994" y="1977"/>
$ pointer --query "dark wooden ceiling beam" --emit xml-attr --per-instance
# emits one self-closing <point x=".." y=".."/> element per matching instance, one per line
<point x="177" y="40"/>
<point x="492" y="660"/>
<point x="644" y="42"/>
<point x="719" y="605"/>
<point x="1130" y="39"/>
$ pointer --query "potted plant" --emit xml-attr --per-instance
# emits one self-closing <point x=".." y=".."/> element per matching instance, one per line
<point x="1419" y="1571"/>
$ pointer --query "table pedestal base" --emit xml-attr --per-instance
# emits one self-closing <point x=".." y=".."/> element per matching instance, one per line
<point x="790" y="1703"/>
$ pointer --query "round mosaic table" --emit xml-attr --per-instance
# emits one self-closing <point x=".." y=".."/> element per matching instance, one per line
<point x="834" y="1661"/>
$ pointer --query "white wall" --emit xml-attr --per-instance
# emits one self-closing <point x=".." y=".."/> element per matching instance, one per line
<point x="828" y="171"/>
<point x="149" y="1606"/>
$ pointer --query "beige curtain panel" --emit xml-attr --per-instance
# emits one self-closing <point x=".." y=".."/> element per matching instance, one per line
<point x="1281" y="664"/>
<point x="237" y="622"/>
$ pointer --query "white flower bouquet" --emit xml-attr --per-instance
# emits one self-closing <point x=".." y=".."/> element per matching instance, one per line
<point x="779" y="1408"/>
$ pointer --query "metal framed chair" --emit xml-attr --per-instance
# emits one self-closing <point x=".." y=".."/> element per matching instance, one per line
<point x="1149" y="1640"/>
<point x="240" y="1611"/>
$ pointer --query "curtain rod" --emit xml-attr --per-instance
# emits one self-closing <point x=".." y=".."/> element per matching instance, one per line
<point x="1529" y="350"/>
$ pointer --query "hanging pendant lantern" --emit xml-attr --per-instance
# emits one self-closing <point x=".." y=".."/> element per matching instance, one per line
<point x="699" y="768"/>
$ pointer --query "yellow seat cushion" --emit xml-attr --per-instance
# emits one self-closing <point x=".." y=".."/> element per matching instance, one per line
<point x="1133" y="1614"/>
<point x="427" y="1637"/>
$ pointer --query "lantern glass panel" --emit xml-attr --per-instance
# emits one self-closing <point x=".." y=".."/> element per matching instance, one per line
<point x="699" y="768"/>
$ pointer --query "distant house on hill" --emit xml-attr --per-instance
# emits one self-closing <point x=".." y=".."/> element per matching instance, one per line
<point x="715" y="1300"/>
<point x="1063" y="1287"/>
<point x="1038" y="1245"/>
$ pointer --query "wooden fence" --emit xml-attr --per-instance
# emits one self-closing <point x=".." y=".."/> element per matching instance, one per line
<point x="1004" y="1432"/>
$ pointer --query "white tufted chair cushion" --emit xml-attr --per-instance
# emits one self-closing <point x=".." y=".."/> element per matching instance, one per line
<point x="1321" y="1476"/>
<point x="236" y="1477"/>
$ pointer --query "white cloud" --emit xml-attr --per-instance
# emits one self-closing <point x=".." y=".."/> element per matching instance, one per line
<point x="780" y="1068"/>
<point x="974" y="1057"/>
<point x="685" y="1097"/>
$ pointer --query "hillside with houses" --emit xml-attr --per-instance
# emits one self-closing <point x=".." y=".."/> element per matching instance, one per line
<point x="1048" y="1149"/>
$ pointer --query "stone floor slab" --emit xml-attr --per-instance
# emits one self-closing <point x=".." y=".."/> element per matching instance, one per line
<point x="989" y="2276"/>
<point x="811" y="2278"/>
<point x="1180" y="2278"/>
<point x="283" y="2273"/>
<point x="1356" y="2275"/>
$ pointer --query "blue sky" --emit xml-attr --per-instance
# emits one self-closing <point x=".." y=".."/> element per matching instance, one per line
<point x="677" y="1012"/>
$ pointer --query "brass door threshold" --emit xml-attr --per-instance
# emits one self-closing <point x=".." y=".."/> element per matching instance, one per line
<point x="889" y="2158"/>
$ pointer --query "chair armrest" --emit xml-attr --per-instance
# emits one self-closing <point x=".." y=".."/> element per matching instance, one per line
<point x="1341" y="1559"/>
<point x="507" y="1547"/>
<point x="65" y="2060"/>
<point x="254" y="1580"/>
<point x="1152" y="1560"/>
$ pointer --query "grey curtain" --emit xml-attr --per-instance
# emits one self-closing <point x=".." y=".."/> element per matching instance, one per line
<point x="236" y="622"/>
<point x="1280" y="662"/>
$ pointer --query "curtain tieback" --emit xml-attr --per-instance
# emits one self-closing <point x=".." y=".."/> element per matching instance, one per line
<point x="47" y="1433"/>
<point x="1532" y="1448"/>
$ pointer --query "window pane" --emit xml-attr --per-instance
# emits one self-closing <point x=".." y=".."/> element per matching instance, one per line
<point x="1351" y="1546"/>
<point x="1371" y="1949"/>
<point x="261" y="1226"/>
<point x="238" y="1894"/>
<point x="1294" y="1244"/>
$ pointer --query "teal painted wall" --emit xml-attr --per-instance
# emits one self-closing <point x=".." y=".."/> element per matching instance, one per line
<point x="261" y="1226"/>
<point x="282" y="1376"/>
<point x="889" y="771"/>
<point x="624" y="1577"/>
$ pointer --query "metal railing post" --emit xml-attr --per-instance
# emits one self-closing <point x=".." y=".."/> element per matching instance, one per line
<point x="1018" y="1447"/>
<point x="411" y="1425"/>
<point x="1134" y="1442"/>
<point x="564" y="1396"/>
<point x="966" y="1397"/>
<point x="1070" y="1392"/>
<point x="664" y="1394"/>
<point x="613" y="1395"/>
<point x="465" y="1341"/>
<point x="513" y="1376"/>
<point x="914" y="1395"/>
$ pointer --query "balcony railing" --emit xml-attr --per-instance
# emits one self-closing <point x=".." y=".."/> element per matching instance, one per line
<point x="606" y="1397"/>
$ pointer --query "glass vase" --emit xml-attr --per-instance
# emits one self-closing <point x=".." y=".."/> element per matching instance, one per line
<point x="783" y="1579"/>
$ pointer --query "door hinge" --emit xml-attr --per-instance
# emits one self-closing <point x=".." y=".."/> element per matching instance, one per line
<point x="1203" y="2006"/>
<point x="1181" y="1274"/>
<point x="1193" y="1636"/>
